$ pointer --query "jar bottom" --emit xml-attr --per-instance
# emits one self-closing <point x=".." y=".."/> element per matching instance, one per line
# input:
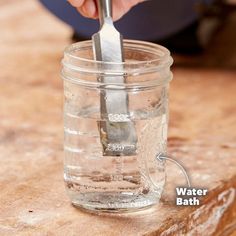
<point x="113" y="201"/>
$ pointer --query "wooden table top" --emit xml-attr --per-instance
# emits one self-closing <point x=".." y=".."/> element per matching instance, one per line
<point x="202" y="136"/>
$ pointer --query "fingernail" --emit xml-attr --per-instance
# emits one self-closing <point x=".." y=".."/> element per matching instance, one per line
<point x="90" y="8"/>
<point x="76" y="3"/>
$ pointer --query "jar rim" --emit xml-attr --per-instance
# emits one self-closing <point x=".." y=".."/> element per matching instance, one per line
<point x="78" y="63"/>
<point x="87" y="72"/>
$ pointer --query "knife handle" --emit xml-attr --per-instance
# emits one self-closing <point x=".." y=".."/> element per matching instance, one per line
<point x="104" y="10"/>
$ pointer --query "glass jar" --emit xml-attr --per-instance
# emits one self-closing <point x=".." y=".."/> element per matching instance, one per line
<point x="115" y="183"/>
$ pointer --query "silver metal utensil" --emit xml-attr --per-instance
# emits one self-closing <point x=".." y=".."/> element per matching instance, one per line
<point x="117" y="131"/>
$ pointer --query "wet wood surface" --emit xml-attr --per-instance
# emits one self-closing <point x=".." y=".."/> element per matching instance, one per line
<point x="202" y="136"/>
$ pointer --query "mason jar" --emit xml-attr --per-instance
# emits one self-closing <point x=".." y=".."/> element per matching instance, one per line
<point x="130" y="181"/>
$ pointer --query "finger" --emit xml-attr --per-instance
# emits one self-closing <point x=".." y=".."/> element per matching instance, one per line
<point x="76" y="3"/>
<point x="88" y="9"/>
<point x="121" y="7"/>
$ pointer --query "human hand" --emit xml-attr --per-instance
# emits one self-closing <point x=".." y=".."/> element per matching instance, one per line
<point x="88" y="8"/>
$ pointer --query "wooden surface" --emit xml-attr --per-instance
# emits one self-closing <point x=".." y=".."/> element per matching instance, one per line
<point x="202" y="136"/>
